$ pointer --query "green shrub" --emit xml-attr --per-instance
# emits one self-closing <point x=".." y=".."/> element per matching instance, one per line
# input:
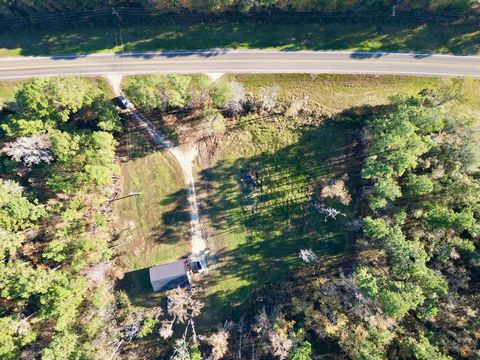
<point x="148" y="327"/>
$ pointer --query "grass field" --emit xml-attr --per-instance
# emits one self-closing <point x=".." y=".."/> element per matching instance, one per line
<point x="257" y="237"/>
<point x="331" y="94"/>
<point x="155" y="223"/>
<point x="389" y="35"/>
<point x="7" y="90"/>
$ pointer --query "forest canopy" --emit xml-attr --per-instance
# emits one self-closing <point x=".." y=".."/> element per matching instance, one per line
<point x="53" y="229"/>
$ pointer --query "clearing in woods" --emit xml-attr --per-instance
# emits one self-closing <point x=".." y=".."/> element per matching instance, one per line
<point x="255" y="231"/>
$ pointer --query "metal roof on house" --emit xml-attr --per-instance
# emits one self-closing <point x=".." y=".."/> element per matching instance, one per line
<point x="167" y="271"/>
<point x="169" y="276"/>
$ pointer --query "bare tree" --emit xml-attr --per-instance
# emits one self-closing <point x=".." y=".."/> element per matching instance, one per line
<point x="262" y="323"/>
<point x="336" y="189"/>
<point x="131" y="331"/>
<point x="166" y="330"/>
<point x="182" y="305"/>
<point x="180" y="350"/>
<point x="219" y="343"/>
<point x="268" y="98"/>
<point x="297" y="105"/>
<point x="199" y="98"/>
<point x="307" y="255"/>
<point x="281" y="344"/>
<point x="183" y="308"/>
<point x="30" y="150"/>
<point x="329" y="212"/>
<point x="235" y="104"/>
<point x="354" y="225"/>
<point x="275" y="333"/>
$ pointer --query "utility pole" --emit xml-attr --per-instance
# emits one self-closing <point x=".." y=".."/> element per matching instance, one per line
<point x="126" y="196"/>
<point x="122" y="70"/>
<point x="120" y="21"/>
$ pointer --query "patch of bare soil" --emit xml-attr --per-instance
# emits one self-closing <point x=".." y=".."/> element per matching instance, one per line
<point x="208" y="148"/>
<point x="188" y="131"/>
<point x="115" y="80"/>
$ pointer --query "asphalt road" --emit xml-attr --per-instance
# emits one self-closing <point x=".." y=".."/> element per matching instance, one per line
<point x="240" y="61"/>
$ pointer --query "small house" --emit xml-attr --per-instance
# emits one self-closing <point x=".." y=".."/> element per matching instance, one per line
<point x="169" y="276"/>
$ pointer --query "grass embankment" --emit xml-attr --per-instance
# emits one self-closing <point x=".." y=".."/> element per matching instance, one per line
<point x="7" y="90"/>
<point x="331" y="94"/>
<point x="257" y="241"/>
<point x="328" y="35"/>
<point x="155" y="223"/>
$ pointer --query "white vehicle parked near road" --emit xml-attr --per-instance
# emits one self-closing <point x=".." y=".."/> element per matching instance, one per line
<point x="124" y="103"/>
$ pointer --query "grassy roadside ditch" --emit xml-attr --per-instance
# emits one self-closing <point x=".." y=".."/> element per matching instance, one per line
<point x="408" y="36"/>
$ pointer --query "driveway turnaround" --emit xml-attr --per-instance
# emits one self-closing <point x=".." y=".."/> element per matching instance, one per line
<point x="242" y="61"/>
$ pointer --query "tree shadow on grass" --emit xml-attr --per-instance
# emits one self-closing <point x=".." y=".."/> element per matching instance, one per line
<point x="395" y="35"/>
<point x="286" y="176"/>
<point x="176" y="53"/>
<point x="264" y="228"/>
<point x="409" y="36"/>
<point x="170" y="230"/>
<point x="173" y="222"/>
<point x="361" y="55"/>
<point x="137" y="286"/>
<point x="133" y="143"/>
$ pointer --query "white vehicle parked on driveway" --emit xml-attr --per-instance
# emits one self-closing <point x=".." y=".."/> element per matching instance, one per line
<point x="124" y="103"/>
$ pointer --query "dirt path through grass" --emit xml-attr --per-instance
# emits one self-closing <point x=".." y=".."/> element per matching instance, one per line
<point x="185" y="156"/>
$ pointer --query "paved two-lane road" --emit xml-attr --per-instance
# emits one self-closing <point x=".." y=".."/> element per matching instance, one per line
<point x="242" y="61"/>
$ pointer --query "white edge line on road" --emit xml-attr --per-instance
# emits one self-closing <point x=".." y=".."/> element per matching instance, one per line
<point x="223" y="51"/>
<point x="305" y="71"/>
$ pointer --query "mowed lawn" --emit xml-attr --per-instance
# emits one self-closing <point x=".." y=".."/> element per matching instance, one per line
<point x="256" y="233"/>
<point x="153" y="225"/>
<point x="389" y="35"/>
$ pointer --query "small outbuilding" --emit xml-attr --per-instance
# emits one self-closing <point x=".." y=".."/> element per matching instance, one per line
<point x="169" y="276"/>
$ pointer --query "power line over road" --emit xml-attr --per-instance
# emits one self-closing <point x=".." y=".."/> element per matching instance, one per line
<point x="243" y="61"/>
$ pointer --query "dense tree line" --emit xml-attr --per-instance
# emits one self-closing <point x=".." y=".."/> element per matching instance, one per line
<point x="198" y="94"/>
<point x="9" y="8"/>
<point x="422" y="188"/>
<point x="58" y="153"/>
